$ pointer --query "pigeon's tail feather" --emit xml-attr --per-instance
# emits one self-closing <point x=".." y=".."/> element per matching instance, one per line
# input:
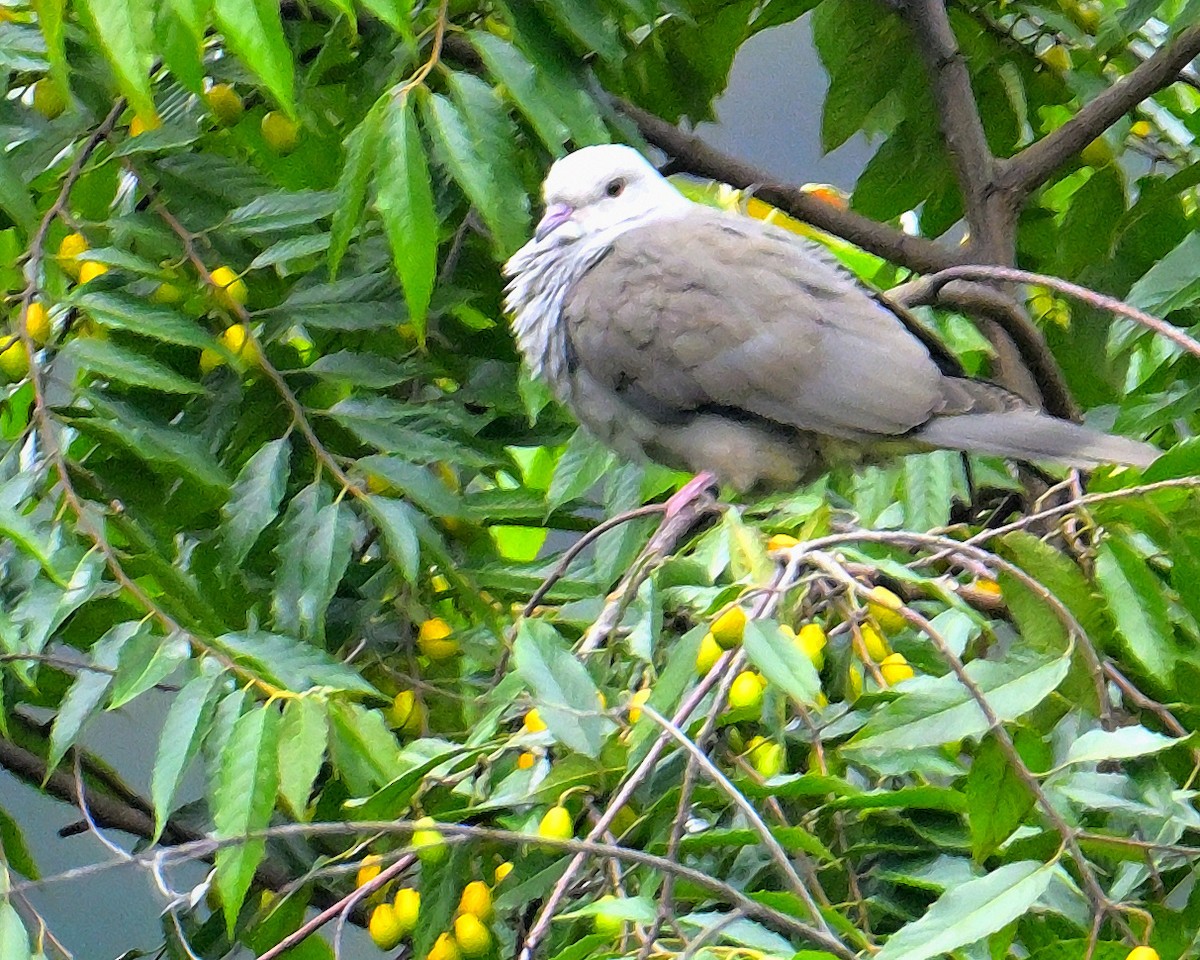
<point x="1029" y="435"/>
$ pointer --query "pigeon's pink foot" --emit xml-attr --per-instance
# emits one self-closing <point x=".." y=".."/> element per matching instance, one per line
<point x="689" y="492"/>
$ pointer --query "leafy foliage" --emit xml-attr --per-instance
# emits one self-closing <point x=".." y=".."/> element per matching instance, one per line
<point x="275" y="455"/>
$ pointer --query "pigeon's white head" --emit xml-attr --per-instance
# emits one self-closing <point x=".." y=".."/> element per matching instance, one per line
<point x="603" y="189"/>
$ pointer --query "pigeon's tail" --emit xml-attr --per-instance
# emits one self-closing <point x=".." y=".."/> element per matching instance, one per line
<point x="982" y="418"/>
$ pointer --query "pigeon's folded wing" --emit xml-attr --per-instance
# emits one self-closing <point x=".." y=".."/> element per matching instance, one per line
<point x="715" y="313"/>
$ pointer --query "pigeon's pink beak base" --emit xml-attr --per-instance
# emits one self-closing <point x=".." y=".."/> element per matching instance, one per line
<point x="555" y="216"/>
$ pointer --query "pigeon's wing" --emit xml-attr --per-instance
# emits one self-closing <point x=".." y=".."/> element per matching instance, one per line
<point x="715" y="313"/>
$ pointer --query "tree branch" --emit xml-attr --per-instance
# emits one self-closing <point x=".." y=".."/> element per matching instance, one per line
<point x="698" y="157"/>
<point x="1033" y="166"/>
<point x="962" y="127"/>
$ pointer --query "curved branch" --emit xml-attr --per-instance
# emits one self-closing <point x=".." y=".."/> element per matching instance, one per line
<point x="1033" y="166"/>
<point x="698" y="157"/>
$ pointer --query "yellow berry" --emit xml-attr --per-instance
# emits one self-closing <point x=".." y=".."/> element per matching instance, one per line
<point x="988" y="586"/>
<point x="854" y="682"/>
<point x="89" y="270"/>
<point x="225" y="104"/>
<point x="281" y="134"/>
<point x="368" y="870"/>
<point x="873" y="642"/>
<point x="895" y="669"/>
<point x="444" y="948"/>
<point x="1058" y="57"/>
<point x="48" y="98"/>
<point x="885" y="606"/>
<point x="1097" y="153"/>
<point x="557" y="824"/>
<point x="139" y="125"/>
<point x="408" y="908"/>
<point x="606" y="923"/>
<point x="526" y="761"/>
<point x="428" y="843"/>
<point x="406" y="713"/>
<point x="231" y="291"/>
<point x="812" y="640"/>
<point x="73" y="244"/>
<point x="37" y="323"/>
<point x="503" y="871"/>
<point x="709" y="653"/>
<point x="768" y="759"/>
<point x="472" y="935"/>
<point x="636" y="702"/>
<point x="383" y="927"/>
<point x="433" y="639"/>
<point x="477" y="899"/>
<point x="438" y="583"/>
<point x="781" y="541"/>
<point x="728" y="628"/>
<point x="746" y="693"/>
<point x="533" y="722"/>
<point x="1141" y="128"/>
<point x="210" y="360"/>
<point x="166" y="294"/>
<point x="14" y="361"/>
<point x="1142" y="953"/>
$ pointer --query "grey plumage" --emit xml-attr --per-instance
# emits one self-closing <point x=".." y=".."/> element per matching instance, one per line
<point x="709" y="341"/>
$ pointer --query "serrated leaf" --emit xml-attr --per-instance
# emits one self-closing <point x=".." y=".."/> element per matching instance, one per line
<point x="122" y="311"/>
<point x="51" y="15"/>
<point x="970" y="911"/>
<point x="997" y="799"/>
<point x="113" y="361"/>
<point x="254" y="499"/>
<point x="364" y="750"/>
<point x="242" y="803"/>
<point x="281" y="211"/>
<point x="928" y="489"/>
<point x="567" y="698"/>
<point x="292" y="249"/>
<point x="87" y="691"/>
<point x="121" y="29"/>
<point x="14" y="941"/>
<point x="18" y="530"/>
<point x="293" y="664"/>
<point x="404" y="198"/>
<point x="936" y="710"/>
<point x="582" y="465"/>
<point x="1134" y="597"/>
<point x="397" y="14"/>
<point x="295" y="533"/>
<point x="360" y="369"/>
<point x="362" y="148"/>
<point x="145" y="660"/>
<point x="1124" y="743"/>
<point x="781" y="660"/>
<point x="14" y="851"/>
<point x="1173" y="283"/>
<point x="790" y="838"/>
<point x="15" y="199"/>
<point x="510" y="67"/>
<point x="417" y="483"/>
<point x="303" y="736"/>
<point x="254" y="32"/>
<point x="183" y="731"/>
<point x="396" y="522"/>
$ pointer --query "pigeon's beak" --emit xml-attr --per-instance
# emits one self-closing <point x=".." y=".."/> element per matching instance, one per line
<point x="555" y="216"/>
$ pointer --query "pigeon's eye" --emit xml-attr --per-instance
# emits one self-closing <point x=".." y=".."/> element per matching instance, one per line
<point x="614" y="188"/>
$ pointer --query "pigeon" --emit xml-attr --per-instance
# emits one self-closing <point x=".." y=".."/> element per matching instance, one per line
<point x="720" y="344"/>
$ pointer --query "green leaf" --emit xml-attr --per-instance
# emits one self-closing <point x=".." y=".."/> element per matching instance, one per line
<point x="87" y="691"/>
<point x="254" y="499"/>
<point x="417" y="483"/>
<point x="936" y="710"/>
<point x="19" y="531"/>
<point x="1173" y="283"/>
<point x="295" y="248"/>
<point x="526" y="87"/>
<point x="971" y="911"/>
<point x="14" y="196"/>
<point x="292" y="664"/>
<point x="120" y="27"/>
<point x="281" y="211"/>
<point x="397" y="14"/>
<point x="242" y="801"/>
<point x="396" y="522"/>
<point x="115" y="362"/>
<point x="180" y="28"/>
<point x="14" y="941"/>
<point x="997" y="799"/>
<point x="14" y="852"/>
<point x="582" y="465"/>
<point x="404" y="198"/>
<point x="1124" y="743"/>
<point x="364" y="750"/>
<point x="145" y="660"/>
<point x="567" y="698"/>
<point x="790" y="838"/>
<point x="254" y="32"/>
<point x="122" y="311"/>
<point x="1134" y="597"/>
<point x="476" y="156"/>
<point x="781" y="660"/>
<point x="362" y="148"/>
<point x="303" y="736"/>
<point x="183" y="731"/>
<point x="51" y="15"/>
<point x="929" y="489"/>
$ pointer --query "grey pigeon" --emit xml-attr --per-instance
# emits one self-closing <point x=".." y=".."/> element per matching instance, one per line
<point x="718" y="343"/>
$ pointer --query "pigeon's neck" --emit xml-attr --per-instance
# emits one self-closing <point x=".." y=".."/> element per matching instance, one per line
<point x="543" y="274"/>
